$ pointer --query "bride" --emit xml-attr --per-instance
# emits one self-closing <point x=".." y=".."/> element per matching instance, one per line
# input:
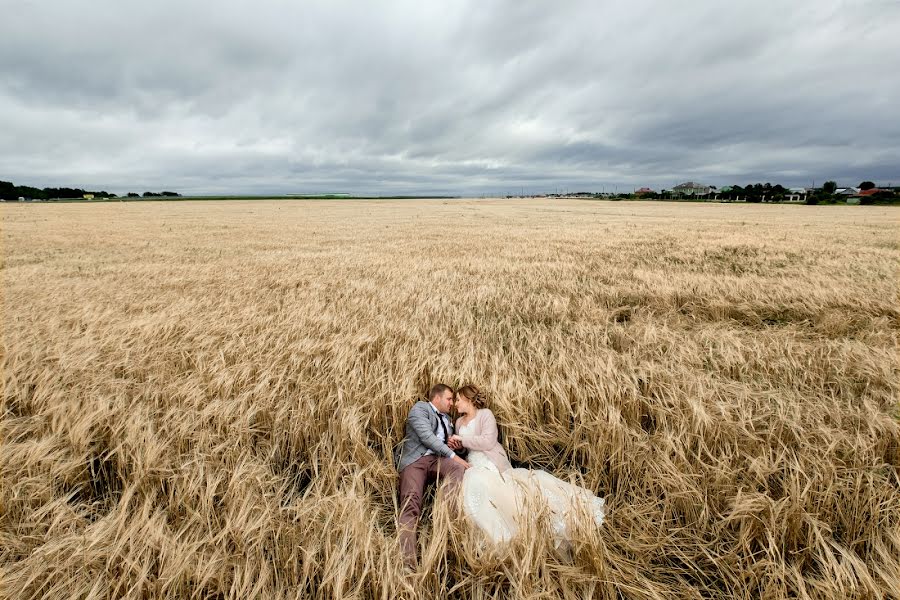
<point x="493" y="493"/>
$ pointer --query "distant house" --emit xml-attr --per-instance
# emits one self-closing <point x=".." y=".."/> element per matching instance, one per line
<point x="846" y="191"/>
<point x="88" y="196"/>
<point x="643" y="191"/>
<point x="797" y="194"/>
<point x="858" y="197"/>
<point x="691" y="188"/>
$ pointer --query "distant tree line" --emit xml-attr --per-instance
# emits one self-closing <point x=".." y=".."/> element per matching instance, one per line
<point x="154" y="195"/>
<point x="8" y="191"/>
<point x="757" y="192"/>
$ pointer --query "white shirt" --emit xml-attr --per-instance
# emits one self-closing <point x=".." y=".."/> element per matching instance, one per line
<point x="441" y="430"/>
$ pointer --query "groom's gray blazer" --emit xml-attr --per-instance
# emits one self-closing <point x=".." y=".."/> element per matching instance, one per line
<point x="423" y="433"/>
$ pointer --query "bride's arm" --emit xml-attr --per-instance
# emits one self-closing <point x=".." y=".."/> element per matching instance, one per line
<point x="485" y="436"/>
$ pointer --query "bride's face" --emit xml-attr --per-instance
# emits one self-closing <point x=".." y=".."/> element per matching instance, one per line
<point x="464" y="405"/>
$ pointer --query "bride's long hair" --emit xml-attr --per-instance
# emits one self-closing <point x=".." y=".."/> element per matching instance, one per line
<point x="473" y="395"/>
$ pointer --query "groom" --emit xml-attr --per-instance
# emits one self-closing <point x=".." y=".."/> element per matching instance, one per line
<point x="427" y="454"/>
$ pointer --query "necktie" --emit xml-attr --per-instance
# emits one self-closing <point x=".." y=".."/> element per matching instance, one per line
<point x="443" y="427"/>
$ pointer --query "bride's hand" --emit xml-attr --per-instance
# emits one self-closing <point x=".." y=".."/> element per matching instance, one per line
<point x="455" y="442"/>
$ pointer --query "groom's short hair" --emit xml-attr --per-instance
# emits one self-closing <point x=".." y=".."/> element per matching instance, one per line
<point x="438" y="390"/>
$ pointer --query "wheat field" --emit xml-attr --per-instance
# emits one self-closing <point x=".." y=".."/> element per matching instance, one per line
<point x="200" y="398"/>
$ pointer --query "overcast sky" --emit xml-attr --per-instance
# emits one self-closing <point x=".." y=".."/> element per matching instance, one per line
<point x="446" y="97"/>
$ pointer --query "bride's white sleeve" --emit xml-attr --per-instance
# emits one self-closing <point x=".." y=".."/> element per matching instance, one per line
<point x="485" y="437"/>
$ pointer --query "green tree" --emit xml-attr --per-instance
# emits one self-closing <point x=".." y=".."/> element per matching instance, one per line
<point x="8" y="191"/>
<point x="31" y="192"/>
<point x="866" y="185"/>
<point x="829" y="186"/>
<point x="133" y="195"/>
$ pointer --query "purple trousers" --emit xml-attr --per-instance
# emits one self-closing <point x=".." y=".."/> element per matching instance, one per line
<point x="413" y="479"/>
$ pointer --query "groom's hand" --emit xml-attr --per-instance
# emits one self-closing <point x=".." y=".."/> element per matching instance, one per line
<point x="460" y="461"/>
<point x="455" y="442"/>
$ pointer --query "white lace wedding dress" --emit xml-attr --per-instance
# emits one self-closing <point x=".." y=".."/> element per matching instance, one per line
<point x="495" y="501"/>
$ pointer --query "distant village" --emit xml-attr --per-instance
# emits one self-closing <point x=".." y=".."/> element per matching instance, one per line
<point x="867" y="192"/>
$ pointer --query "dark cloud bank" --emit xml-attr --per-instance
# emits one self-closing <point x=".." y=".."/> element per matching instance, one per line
<point x="446" y="97"/>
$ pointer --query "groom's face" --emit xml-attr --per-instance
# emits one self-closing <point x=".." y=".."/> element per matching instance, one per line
<point x="444" y="401"/>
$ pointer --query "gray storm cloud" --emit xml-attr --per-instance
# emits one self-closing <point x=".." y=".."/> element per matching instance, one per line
<point x="450" y="97"/>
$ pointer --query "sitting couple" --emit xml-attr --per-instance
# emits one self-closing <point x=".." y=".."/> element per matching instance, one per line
<point x="492" y="493"/>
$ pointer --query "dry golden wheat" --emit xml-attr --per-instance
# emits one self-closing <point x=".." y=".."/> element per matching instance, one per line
<point x="200" y="399"/>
